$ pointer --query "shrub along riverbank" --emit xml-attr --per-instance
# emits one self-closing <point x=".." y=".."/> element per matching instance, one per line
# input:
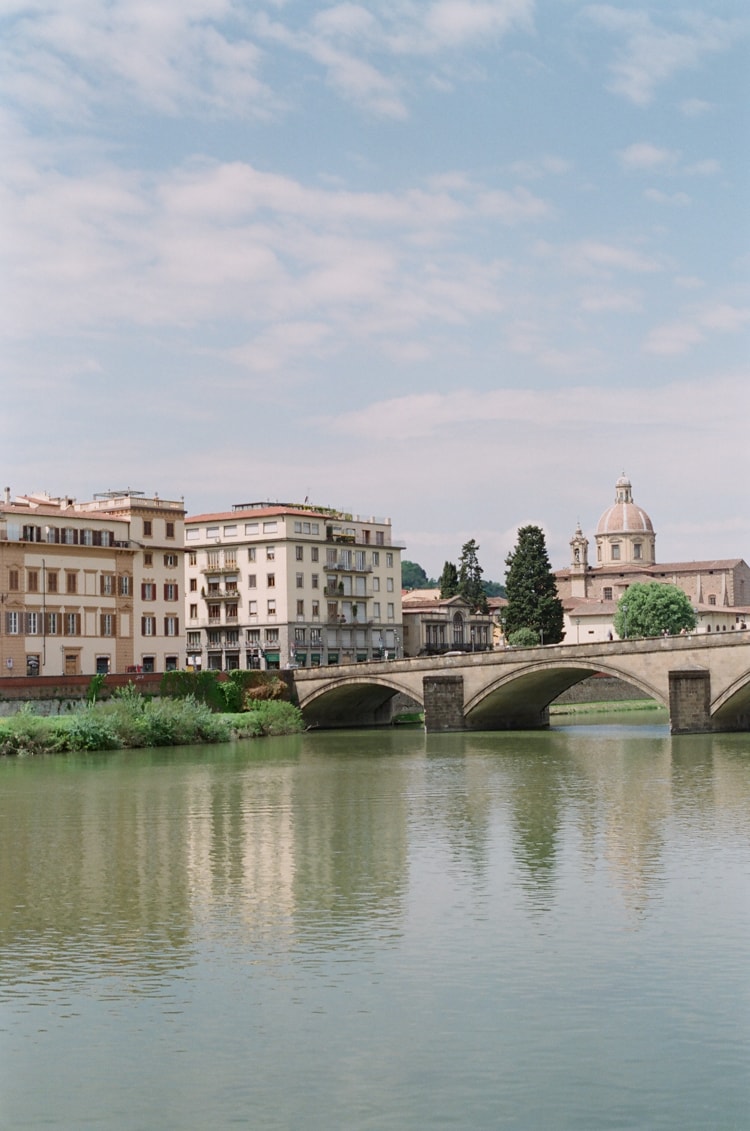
<point x="129" y="720"/>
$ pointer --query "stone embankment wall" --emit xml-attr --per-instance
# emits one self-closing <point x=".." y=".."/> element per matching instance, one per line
<point x="50" y="695"/>
<point x="601" y="689"/>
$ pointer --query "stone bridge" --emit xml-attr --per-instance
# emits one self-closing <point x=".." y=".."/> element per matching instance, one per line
<point x="703" y="681"/>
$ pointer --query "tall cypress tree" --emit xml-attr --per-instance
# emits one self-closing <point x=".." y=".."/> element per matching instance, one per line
<point x="531" y="589"/>
<point x="470" y="578"/>
<point x="448" y="581"/>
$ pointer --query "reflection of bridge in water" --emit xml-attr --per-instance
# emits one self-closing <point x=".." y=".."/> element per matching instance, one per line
<point x="704" y="682"/>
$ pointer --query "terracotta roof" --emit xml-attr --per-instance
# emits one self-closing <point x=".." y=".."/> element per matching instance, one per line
<point x="263" y="512"/>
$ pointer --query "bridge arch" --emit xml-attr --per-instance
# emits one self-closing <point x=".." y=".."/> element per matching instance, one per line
<point x="734" y="702"/>
<point x="521" y="698"/>
<point x="356" y="700"/>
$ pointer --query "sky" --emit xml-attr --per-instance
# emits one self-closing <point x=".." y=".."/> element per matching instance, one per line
<point x="461" y="263"/>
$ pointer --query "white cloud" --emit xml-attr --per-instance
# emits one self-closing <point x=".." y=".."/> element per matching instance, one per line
<point x="651" y="55"/>
<point x="680" y="335"/>
<point x="644" y="155"/>
<point x="674" y="199"/>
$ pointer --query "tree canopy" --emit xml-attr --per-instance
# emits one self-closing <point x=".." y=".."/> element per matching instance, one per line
<point x="650" y="608"/>
<point x="470" y="577"/>
<point x="448" y="581"/>
<point x="413" y="576"/>
<point x="531" y="589"/>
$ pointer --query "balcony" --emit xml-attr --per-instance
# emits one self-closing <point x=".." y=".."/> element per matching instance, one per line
<point x="229" y="566"/>
<point x="220" y="594"/>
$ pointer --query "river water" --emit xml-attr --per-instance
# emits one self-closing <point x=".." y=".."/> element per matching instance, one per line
<point x="380" y="930"/>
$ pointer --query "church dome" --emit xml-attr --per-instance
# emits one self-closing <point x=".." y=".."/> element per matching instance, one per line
<point x="624" y="517"/>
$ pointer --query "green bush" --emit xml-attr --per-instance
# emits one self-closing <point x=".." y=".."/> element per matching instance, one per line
<point x="274" y="716"/>
<point x="523" y="638"/>
<point x="25" y="733"/>
<point x="87" y="729"/>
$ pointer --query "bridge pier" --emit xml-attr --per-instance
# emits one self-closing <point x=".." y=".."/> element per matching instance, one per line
<point x="443" y="702"/>
<point x="690" y="701"/>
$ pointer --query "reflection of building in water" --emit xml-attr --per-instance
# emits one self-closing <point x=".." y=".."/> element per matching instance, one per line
<point x="240" y="841"/>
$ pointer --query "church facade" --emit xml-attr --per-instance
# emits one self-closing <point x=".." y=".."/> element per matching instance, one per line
<point x="625" y="552"/>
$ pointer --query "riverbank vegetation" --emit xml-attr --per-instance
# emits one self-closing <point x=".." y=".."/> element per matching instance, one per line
<point x="130" y="720"/>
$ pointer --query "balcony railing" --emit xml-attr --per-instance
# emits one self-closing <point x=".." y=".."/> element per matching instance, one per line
<point x="224" y="567"/>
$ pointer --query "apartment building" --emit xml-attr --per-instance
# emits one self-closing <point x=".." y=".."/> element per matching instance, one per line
<point x="91" y="586"/>
<point x="273" y="585"/>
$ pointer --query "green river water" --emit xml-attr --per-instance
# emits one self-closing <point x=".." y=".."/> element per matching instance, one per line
<point x="380" y="930"/>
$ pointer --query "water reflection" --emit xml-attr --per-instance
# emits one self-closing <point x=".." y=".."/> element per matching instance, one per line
<point x="122" y="860"/>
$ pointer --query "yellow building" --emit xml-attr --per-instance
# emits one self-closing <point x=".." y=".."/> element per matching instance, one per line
<point x="92" y="586"/>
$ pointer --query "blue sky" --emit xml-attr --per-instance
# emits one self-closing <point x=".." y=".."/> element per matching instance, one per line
<point x="460" y="262"/>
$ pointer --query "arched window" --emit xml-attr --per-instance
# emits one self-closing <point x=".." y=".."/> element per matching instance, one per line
<point x="458" y="628"/>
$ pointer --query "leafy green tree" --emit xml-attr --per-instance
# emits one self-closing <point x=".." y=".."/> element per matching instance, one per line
<point x="650" y="608"/>
<point x="531" y="589"/>
<point x="524" y="638"/>
<point x="470" y="577"/>
<point x="493" y="588"/>
<point x="414" y="577"/>
<point x="448" y="581"/>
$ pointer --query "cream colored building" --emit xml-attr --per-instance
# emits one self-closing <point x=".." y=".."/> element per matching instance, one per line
<point x="435" y="625"/>
<point x="273" y="585"/>
<point x="90" y="587"/>
<point x="625" y="553"/>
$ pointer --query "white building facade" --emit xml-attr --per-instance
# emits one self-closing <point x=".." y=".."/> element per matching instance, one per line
<point x="277" y="585"/>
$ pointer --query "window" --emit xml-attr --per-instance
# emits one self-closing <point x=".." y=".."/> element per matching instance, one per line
<point x="269" y="527"/>
<point x="193" y="612"/>
<point x="194" y="640"/>
<point x="376" y="584"/>
<point x="171" y="626"/>
<point x="272" y="636"/>
<point x="251" y="554"/>
<point x="252" y="580"/>
<point x="299" y="553"/>
<point x="637" y="548"/>
<point x="106" y="584"/>
<point x="330" y="557"/>
<point x="72" y="624"/>
<point x="13" y="579"/>
<point x="375" y="558"/>
<point x="253" y="636"/>
<point x="171" y="591"/>
<point x="379" y="538"/>
<point x="607" y="593"/>
<point x="712" y="598"/>
<point x="314" y="581"/>
<point x="148" y="626"/>
<point x="230" y="531"/>
<point x="300" y="581"/>
<point x="316" y="608"/>
<point x="87" y="537"/>
<point x="170" y="561"/>
<point x="70" y="536"/>
<point x="169" y="530"/>
<point x="390" y="610"/>
<point x="53" y="624"/>
<point x="270" y="553"/>
<point x="271" y="580"/>
<point x="214" y="612"/>
<point x="148" y="559"/>
<point x="389" y="561"/>
<point x="389" y="584"/>
<point x="315" y="636"/>
<point x="314" y="554"/>
<point x="11" y="624"/>
<point x="232" y="611"/>
<point x="616" y="552"/>
<point x="299" y="635"/>
<point x="147" y="528"/>
<point x="333" y="610"/>
<point x="193" y="584"/>
<point x="52" y="581"/>
<point x="192" y="557"/>
<point x="106" y="624"/>
<point x="192" y="535"/>
<point x="300" y="608"/>
<point x="148" y="591"/>
<point x="252" y="608"/>
<point x="251" y="528"/>
<point x="124" y="585"/>
<point x="376" y="610"/>
<point x="271" y="607"/>
<point x="71" y="582"/>
<point x="359" y="559"/>
<point x="32" y="624"/>
<point x="32" y="581"/>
